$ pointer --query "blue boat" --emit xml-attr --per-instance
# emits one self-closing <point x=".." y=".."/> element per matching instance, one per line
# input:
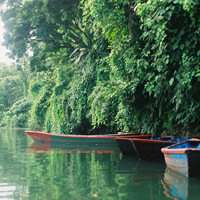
<point x="184" y="157"/>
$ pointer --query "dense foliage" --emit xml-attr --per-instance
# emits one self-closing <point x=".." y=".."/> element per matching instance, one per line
<point x="14" y="107"/>
<point x="108" y="65"/>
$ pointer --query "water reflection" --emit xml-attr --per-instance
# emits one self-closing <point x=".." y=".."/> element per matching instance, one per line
<point x="40" y="172"/>
<point x="127" y="165"/>
<point x="7" y="190"/>
<point x="48" y="147"/>
<point x="12" y="184"/>
<point x="138" y="179"/>
<point x="77" y="175"/>
<point x="177" y="186"/>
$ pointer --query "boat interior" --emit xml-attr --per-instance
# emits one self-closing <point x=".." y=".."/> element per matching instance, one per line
<point x="187" y="144"/>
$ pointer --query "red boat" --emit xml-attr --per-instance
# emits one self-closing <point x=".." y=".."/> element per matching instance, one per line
<point x="150" y="149"/>
<point x="74" y="139"/>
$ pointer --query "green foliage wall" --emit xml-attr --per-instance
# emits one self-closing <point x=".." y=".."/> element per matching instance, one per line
<point x="14" y="107"/>
<point x="110" y="65"/>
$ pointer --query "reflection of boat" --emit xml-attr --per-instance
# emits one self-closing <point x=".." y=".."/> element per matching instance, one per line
<point x="175" y="185"/>
<point x="48" y="147"/>
<point x="150" y="149"/>
<point x="184" y="157"/>
<point x="125" y="144"/>
<point x="73" y="139"/>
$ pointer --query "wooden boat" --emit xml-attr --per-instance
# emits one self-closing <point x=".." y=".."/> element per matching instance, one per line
<point x="184" y="157"/>
<point x="150" y="149"/>
<point x="44" y="137"/>
<point x="125" y="144"/>
<point x="70" y="139"/>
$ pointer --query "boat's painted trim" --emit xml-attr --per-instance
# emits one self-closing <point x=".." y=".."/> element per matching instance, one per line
<point x="172" y="149"/>
<point x="40" y="133"/>
<point x="122" y="138"/>
<point x="179" y="150"/>
<point x="150" y="141"/>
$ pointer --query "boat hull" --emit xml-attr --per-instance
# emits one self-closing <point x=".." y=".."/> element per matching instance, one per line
<point x="150" y="149"/>
<point x="185" y="161"/>
<point x="73" y="140"/>
<point x="125" y="145"/>
<point x="70" y="139"/>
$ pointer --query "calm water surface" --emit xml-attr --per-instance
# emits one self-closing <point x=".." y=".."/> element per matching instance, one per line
<point x="30" y="171"/>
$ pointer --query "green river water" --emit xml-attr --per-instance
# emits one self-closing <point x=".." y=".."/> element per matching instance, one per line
<point x="40" y="172"/>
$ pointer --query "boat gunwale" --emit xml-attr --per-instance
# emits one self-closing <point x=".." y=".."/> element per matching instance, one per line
<point x="179" y="150"/>
<point x="184" y="150"/>
<point x="36" y="133"/>
<point x="129" y="138"/>
<point x="141" y="140"/>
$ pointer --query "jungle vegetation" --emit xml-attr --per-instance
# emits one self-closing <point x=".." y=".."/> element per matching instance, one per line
<point x="86" y="66"/>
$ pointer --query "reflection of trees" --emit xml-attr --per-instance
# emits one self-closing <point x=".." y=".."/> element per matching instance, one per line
<point x="92" y="176"/>
<point x="75" y="176"/>
<point x="12" y="168"/>
<point x="12" y="157"/>
<point x="55" y="174"/>
<point x="137" y="179"/>
<point x="59" y="174"/>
